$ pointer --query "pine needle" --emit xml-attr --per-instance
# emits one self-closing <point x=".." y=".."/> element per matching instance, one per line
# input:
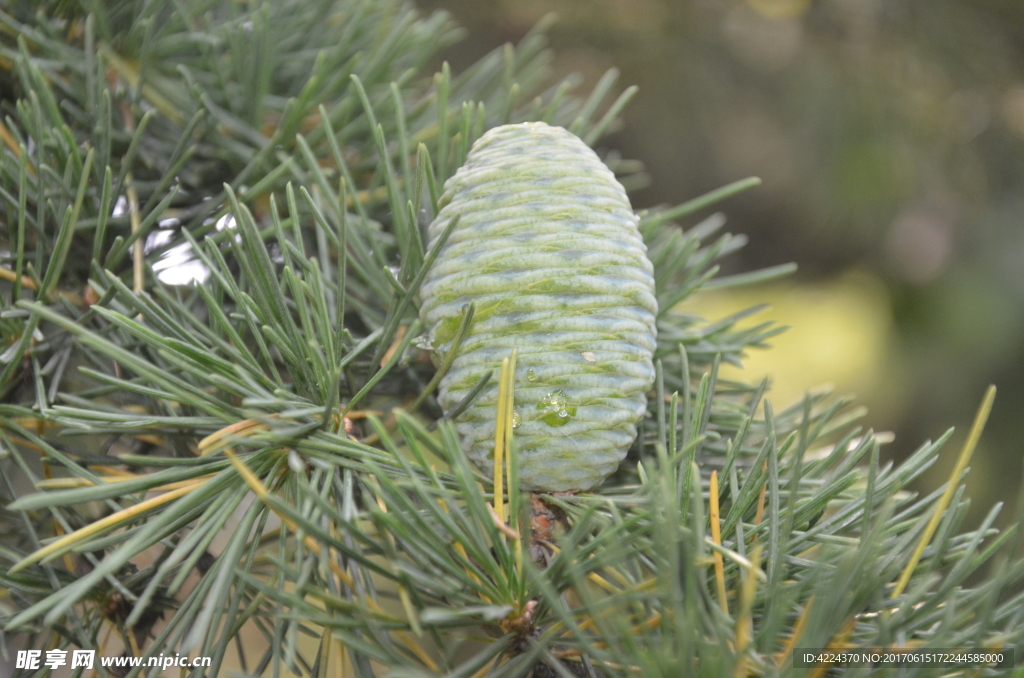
<point x="503" y="429"/>
<point x="449" y="358"/>
<point x="716" y="535"/>
<point x="138" y="253"/>
<point x="499" y="523"/>
<point x="462" y="552"/>
<point x="9" y="275"/>
<point x="130" y="71"/>
<point x="940" y="509"/>
<point x="240" y="429"/>
<point x="759" y="514"/>
<point x="103" y="524"/>
<point x="798" y="630"/>
<point x="839" y="642"/>
<point x="257" y="486"/>
<point x="9" y="140"/>
<point x="744" y="619"/>
<point x="399" y="336"/>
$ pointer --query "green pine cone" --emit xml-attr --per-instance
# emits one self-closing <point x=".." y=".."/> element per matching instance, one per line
<point x="548" y="248"/>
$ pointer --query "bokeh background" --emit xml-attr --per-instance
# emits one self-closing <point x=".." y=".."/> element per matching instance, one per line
<point x="890" y="138"/>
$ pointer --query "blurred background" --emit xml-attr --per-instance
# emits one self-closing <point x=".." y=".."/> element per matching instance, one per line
<point x="890" y="138"/>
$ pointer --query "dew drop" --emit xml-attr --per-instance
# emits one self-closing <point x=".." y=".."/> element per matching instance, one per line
<point x="516" y="419"/>
<point x="556" y="409"/>
<point x="531" y="375"/>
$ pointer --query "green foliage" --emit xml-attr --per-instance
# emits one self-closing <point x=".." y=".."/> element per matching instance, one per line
<point x="280" y="413"/>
